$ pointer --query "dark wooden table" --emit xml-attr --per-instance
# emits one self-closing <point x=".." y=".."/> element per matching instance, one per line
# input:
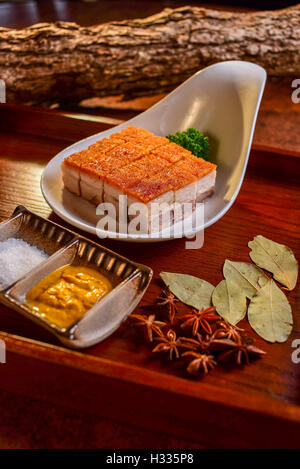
<point x="254" y="407"/>
<point x="117" y="380"/>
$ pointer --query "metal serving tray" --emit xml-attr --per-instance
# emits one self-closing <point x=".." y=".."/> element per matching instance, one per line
<point x="130" y="280"/>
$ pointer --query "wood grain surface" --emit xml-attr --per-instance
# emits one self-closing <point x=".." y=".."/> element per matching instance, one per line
<point x="279" y="118"/>
<point x="118" y="378"/>
<point x="65" y="62"/>
<point x="277" y="127"/>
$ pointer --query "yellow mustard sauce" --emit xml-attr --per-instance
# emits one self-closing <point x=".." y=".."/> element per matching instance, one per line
<point x="65" y="295"/>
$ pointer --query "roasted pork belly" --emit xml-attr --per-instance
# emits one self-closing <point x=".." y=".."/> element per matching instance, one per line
<point x="148" y="170"/>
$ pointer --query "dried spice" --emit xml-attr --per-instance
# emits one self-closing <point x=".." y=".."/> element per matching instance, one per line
<point x="241" y="351"/>
<point x="246" y="276"/>
<point x="199" y="343"/>
<point x="169" y="344"/>
<point x="200" y="362"/>
<point x="210" y="332"/>
<point x="275" y="258"/>
<point x="270" y="313"/>
<point x="200" y="318"/>
<point x="168" y="299"/>
<point x="190" y="290"/>
<point x="227" y="331"/>
<point x="209" y="337"/>
<point x="149" y="324"/>
<point x="230" y="301"/>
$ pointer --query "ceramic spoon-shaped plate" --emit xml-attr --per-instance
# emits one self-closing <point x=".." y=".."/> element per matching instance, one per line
<point x="222" y="101"/>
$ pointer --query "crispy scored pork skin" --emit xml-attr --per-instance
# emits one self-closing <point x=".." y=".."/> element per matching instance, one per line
<point x="142" y="166"/>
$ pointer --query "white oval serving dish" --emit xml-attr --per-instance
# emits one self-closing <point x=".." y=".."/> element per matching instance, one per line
<point x="222" y="101"/>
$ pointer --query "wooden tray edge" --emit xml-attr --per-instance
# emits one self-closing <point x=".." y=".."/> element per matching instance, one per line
<point x="57" y="355"/>
<point x="105" y="122"/>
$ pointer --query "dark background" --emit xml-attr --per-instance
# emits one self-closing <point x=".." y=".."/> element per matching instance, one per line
<point x="18" y="14"/>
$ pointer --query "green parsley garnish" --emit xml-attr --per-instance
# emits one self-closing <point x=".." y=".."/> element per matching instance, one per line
<point x="192" y="140"/>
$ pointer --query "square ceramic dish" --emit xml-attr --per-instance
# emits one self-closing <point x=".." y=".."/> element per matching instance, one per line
<point x="129" y="280"/>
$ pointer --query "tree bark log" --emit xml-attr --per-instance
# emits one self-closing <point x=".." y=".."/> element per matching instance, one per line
<point x="64" y="62"/>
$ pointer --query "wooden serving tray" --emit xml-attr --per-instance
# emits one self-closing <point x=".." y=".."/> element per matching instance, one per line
<point x="254" y="406"/>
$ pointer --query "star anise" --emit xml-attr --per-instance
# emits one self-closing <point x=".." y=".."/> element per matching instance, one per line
<point x="169" y="299"/>
<point x="224" y="330"/>
<point x="150" y="325"/>
<point x="200" y="363"/>
<point x="168" y="344"/>
<point x="200" y="318"/>
<point x="239" y="350"/>
<point x="200" y="343"/>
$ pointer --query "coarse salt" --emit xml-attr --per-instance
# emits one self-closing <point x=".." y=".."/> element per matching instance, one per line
<point x="17" y="258"/>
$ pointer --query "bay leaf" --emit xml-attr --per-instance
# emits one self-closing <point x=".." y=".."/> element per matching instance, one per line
<point x="230" y="301"/>
<point x="275" y="258"/>
<point x="249" y="278"/>
<point x="270" y="313"/>
<point x="190" y="290"/>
